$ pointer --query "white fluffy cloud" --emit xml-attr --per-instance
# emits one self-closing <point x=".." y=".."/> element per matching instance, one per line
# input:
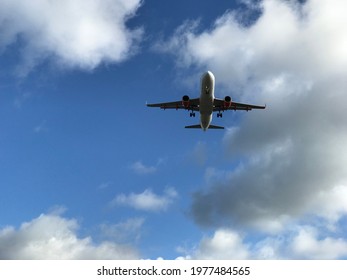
<point x="308" y="245"/>
<point x="224" y="244"/>
<point x="301" y="242"/>
<point x="51" y="236"/>
<point x="77" y="33"/>
<point x="287" y="39"/>
<point x="147" y="200"/>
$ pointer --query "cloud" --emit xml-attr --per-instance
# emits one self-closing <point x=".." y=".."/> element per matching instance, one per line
<point x="104" y="185"/>
<point x="300" y="242"/>
<point x="124" y="231"/>
<point x="224" y="244"/>
<point x="139" y="168"/>
<point x="287" y="38"/>
<point x="290" y="157"/>
<point x="147" y="200"/>
<point x="75" y="34"/>
<point x="307" y="245"/>
<point x="51" y="236"/>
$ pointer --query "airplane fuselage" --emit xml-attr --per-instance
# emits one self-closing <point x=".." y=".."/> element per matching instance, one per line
<point x="206" y="99"/>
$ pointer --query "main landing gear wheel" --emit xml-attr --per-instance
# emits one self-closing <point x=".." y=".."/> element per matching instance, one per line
<point x="219" y="115"/>
<point x="192" y="114"/>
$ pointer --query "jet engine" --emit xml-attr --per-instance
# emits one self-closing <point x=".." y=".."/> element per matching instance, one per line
<point x="185" y="101"/>
<point x="227" y="102"/>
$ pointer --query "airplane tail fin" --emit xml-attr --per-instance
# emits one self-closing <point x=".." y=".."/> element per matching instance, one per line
<point x="211" y="126"/>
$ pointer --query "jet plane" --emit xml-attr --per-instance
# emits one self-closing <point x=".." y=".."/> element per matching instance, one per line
<point x="206" y="104"/>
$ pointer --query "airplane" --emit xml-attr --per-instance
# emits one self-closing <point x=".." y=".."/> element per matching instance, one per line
<point x="206" y="104"/>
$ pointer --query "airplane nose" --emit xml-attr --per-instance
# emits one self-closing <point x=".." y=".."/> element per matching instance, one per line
<point x="208" y="75"/>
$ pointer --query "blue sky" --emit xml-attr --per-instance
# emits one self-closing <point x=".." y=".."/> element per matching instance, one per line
<point x="88" y="171"/>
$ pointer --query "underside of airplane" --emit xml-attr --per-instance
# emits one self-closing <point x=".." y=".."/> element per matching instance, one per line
<point x="206" y="104"/>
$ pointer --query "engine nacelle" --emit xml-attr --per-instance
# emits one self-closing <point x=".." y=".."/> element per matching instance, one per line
<point x="227" y="102"/>
<point x="185" y="101"/>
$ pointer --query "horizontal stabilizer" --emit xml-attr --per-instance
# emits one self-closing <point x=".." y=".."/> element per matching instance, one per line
<point x="211" y="126"/>
<point x="193" y="126"/>
<point x="215" y="127"/>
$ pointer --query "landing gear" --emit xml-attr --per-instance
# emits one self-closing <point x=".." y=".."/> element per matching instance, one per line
<point x="219" y="115"/>
<point x="192" y="114"/>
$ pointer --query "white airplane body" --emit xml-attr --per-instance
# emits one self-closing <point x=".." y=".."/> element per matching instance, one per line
<point x="206" y="104"/>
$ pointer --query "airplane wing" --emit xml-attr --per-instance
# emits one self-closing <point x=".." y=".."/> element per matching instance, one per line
<point x="219" y="105"/>
<point x="192" y="105"/>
